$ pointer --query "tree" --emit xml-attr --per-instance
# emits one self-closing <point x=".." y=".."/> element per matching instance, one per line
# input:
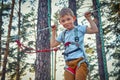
<point x="100" y="47"/>
<point x="42" y="63"/>
<point x="7" y="43"/>
<point x="72" y="5"/>
<point x="26" y="24"/>
<point x="18" y="55"/>
<point x="1" y="11"/>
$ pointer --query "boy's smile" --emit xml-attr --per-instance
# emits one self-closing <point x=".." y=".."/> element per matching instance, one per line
<point x="67" y="21"/>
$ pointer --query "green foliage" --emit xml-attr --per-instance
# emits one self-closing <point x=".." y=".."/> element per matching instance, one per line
<point x="79" y="3"/>
<point x="93" y="67"/>
<point x="112" y="34"/>
<point x="62" y="3"/>
<point x="26" y="24"/>
<point x="6" y="7"/>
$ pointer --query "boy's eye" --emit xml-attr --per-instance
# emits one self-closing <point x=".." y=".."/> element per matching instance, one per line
<point x="68" y="19"/>
<point x="63" y="21"/>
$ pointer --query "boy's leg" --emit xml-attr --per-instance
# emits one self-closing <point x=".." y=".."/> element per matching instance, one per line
<point x="81" y="72"/>
<point x="68" y="75"/>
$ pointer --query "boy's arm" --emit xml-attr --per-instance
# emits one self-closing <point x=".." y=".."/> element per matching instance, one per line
<point x="93" y="27"/>
<point x="53" y="42"/>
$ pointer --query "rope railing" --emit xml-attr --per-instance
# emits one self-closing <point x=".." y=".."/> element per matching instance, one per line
<point x="32" y="50"/>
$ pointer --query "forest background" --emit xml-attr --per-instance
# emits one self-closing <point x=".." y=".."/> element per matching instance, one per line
<point x="24" y="28"/>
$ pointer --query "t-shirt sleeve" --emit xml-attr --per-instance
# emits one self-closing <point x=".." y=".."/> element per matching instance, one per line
<point x="82" y="28"/>
<point x="59" y="37"/>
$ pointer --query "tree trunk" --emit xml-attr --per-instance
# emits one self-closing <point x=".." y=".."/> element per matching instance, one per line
<point x="6" y="53"/>
<point x="42" y="63"/>
<point x="18" y="58"/>
<point x="72" y="5"/>
<point x="1" y="11"/>
<point x="100" y="43"/>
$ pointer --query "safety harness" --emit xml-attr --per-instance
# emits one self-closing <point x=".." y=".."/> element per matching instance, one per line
<point x="76" y="39"/>
<point x="77" y="43"/>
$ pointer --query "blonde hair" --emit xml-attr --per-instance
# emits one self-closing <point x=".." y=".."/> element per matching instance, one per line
<point x="65" y="11"/>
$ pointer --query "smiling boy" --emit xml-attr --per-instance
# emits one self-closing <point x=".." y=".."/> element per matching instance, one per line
<point x="73" y="40"/>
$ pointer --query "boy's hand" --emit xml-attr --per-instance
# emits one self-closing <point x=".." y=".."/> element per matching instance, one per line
<point x="54" y="27"/>
<point x="87" y="15"/>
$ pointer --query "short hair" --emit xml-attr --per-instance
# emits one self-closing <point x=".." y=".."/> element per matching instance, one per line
<point x="65" y="11"/>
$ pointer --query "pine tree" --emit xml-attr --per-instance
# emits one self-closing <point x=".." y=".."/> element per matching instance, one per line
<point x="42" y="67"/>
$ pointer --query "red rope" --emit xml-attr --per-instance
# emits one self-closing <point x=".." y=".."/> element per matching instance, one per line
<point x="28" y="49"/>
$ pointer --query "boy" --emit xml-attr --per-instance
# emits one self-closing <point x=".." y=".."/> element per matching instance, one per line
<point x="72" y="38"/>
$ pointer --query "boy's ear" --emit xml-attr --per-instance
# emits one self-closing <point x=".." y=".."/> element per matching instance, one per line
<point x="74" y="17"/>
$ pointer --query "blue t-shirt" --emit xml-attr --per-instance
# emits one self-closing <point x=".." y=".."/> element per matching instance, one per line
<point x="69" y="36"/>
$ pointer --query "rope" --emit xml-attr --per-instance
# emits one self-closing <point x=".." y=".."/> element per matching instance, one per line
<point x="102" y="41"/>
<point x="49" y="27"/>
<point x="92" y="11"/>
<point x="31" y="50"/>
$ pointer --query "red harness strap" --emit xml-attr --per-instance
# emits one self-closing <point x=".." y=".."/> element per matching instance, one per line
<point x="71" y="70"/>
<point x="67" y="44"/>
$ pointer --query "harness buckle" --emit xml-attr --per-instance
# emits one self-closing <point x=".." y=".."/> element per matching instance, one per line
<point x="76" y="39"/>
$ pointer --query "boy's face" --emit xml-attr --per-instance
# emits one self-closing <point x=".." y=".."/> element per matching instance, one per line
<point x="67" y="21"/>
